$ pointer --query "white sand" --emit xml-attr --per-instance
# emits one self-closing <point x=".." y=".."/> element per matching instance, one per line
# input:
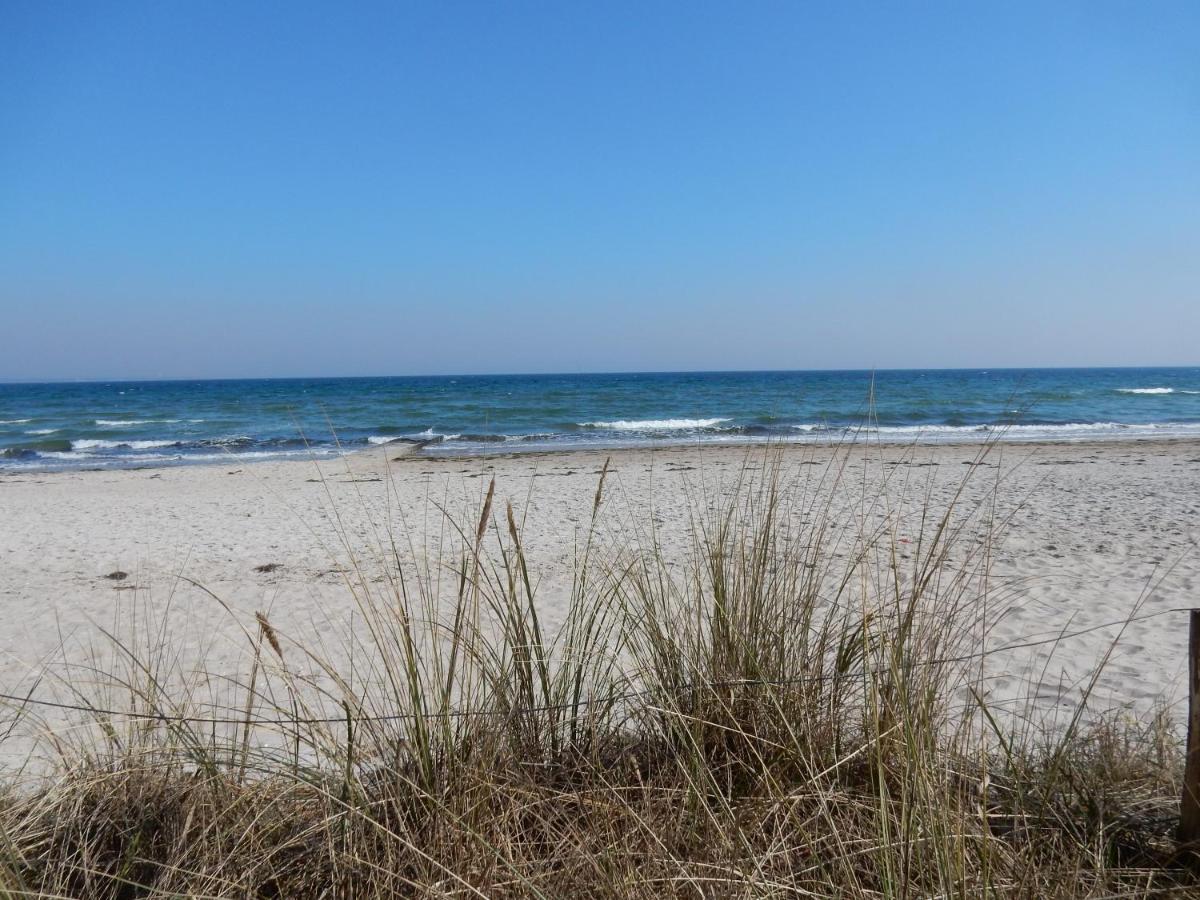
<point x="1097" y="523"/>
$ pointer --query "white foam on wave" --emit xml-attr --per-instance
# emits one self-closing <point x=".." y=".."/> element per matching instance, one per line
<point x="92" y="444"/>
<point x="654" y="424"/>
<point x="230" y="440"/>
<point x="15" y="421"/>
<point x="427" y="435"/>
<point x="1153" y="390"/>
<point x="42" y="431"/>
<point x="125" y="423"/>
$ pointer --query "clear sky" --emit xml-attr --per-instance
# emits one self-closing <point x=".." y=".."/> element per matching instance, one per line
<point x="244" y="189"/>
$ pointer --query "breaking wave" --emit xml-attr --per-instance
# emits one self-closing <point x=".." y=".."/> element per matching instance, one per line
<point x="655" y="424"/>
<point x="127" y="423"/>
<point x="92" y="444"/>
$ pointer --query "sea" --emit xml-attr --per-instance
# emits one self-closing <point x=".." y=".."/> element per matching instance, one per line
<point x="112" y="424"/>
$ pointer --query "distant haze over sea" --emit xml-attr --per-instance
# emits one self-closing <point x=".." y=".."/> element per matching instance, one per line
<point x="105" y="424"/>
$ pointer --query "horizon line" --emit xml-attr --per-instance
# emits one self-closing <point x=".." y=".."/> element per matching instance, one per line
<point x="585" y="374"/>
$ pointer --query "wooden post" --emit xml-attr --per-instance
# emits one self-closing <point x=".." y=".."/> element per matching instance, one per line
<point x="1189" y="806"/>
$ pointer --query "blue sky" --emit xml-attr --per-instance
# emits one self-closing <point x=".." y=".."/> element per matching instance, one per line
<point x="233" y="189"/>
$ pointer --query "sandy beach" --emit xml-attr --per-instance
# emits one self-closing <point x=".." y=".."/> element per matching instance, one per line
<point x="1095" y="529"/>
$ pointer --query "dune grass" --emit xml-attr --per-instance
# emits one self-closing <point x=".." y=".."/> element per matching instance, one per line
<point x="794" y="706"/>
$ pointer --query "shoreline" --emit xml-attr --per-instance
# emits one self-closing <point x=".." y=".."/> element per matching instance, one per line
<point x="489" y="450"/>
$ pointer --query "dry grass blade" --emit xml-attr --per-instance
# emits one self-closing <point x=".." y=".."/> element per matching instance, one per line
<point x="486" y="513"/>
<point x="600" y="488"/>
<point x="269" y="633"/>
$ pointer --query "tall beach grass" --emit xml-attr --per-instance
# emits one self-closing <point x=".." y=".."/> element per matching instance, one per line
<point x="792" y="704"/>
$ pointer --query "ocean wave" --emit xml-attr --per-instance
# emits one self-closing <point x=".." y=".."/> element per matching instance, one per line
<point x="381" y="439"/>
<point x="15" y="421"/>
<point x="1153" y="390"/>
<point x="654" y="424"/>
<point x="126" y="423"/>
<point x="238" y="440"/>
<point x="426" y="436"/>
<point x="42" y="431"/>
<point x="430" y="435"/>
<point x="44" y="458"/>
<point x="139" y="459"/>
<point x="93" y="444"/>
<point x="37" y="446"/>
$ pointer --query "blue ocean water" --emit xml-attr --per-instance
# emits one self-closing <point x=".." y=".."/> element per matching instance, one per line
<point x="103" y="424"/>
